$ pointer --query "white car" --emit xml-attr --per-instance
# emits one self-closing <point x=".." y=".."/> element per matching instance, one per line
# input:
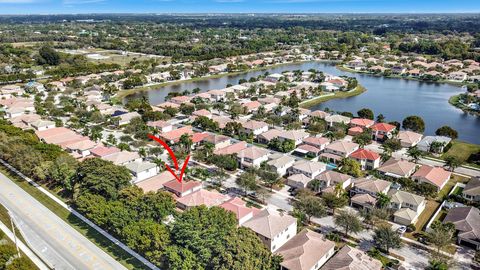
<point x="402" y="229"/>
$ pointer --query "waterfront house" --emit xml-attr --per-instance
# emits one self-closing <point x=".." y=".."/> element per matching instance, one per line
<point x="361" y="122"/>
<point x="337" y="119"/>
<point x="426" y="143"/>
<point x="409" y="138"/>
<point x="382" y="131"/>
<point x="273" y="228"/>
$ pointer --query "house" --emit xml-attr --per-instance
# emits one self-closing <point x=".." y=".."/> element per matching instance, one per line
<point x="471" y="191"/>
<point x="296" y="136"/>
<point x="274" y="77"/>
<point x="408" y="206"/>
<point x="354" y="131"/>
<point x="337" y="150"/>
<point x="218" y="141"/>
<point x="350" y="258"/>
<point x="179" y="100"/>
<point x="82" y="148"/>
<point x="307" y="250"/>
<point x="123" y="157"/>
<point x="202" y="112"/>
<point x="317" y="142"/>
<point x="299" y="180"/>
<point x="337" y="119"/>
<point x="254" y="127"/>
<point x="42" y="124"/>
<point x="436" y="176"/>
<point x="252" y="157"/>
<point x="382" y="131"/>
<point x="457" y="76"/>
<point x="269" y="135"/>
<point x="425" y="144"/>
<point x="273" y="228"/>
<point x="155" y="183"/>
<point x="252" y="106"/>
<point x="397" y="168"/>
<point x="409" y="138"/>
<point x="160" y="125"/>
<point x="280" y="163"/>
<point x="307" y="150"/>
<point x="174" y="135"/>
<point x="102" y="151"/>
<point x="467" y="225"/>
<point x="231" y="149"/>
<point x="309" y="168"/>
<point x="125" y="118"/>
<point x="363" y="201"/>
<point x="370" y="186"/>
<point x="201" y="197"/>
<point x="142" y="170"/>
<point x="184" y="188"/>
<point x="368" y="159"/>
<point x="361" y="122"/>
<point x="333" y="178"/>
<point x="240" y="209"/>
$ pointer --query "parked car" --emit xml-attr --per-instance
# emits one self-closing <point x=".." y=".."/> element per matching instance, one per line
<point x="402" y="229"/>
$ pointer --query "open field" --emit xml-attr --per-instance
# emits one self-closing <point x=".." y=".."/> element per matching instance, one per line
<point x="462" y="150"/>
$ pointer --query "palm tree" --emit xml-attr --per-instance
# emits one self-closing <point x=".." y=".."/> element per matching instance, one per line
<point x="111" y="139"/>
<point x="186" y="142"/>
<point x="382" y="200"/>
<point x="414" y="153"/>
<point x="142" y="152"/>
<point x="330" y="135"/>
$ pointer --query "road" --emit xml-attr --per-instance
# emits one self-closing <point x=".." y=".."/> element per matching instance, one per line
<point x="52" y="238"/>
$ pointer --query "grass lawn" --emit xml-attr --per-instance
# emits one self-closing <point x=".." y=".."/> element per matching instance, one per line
<point x="450" y="184"/>
<point x="341" y="94"/>
<point x="423" y="218"/>
<point x="106" y="245"/>
<point x="462" y="150"/>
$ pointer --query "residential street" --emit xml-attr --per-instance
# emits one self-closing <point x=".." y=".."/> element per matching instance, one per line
<point x="49" y="236"/>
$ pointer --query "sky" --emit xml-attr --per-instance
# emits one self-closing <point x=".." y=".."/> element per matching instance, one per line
<point x="237" y="6"/>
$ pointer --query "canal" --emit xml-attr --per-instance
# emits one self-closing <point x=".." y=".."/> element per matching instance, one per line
<point x="394" y="98"/>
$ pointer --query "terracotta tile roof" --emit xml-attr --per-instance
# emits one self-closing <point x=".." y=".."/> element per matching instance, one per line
<point x="82" y="145"/>
<point x="183" y="186"/>
<point x="355" y="130"/>
<point x="342" y="146"/>
<point x="383" y="127"/>
<point x="309" y="148"/>
<point x="316" y="141"/>
<point x="215" y="139"/>
<point x="372" y="185"/>
<point x="304" y="250"/>
<point x="365" y="154"/>
<point x="252" y="105"/>
<point x="364" y="199"/>
<point x="166" y="104"/>
<point x="231" y="149"/>
<point x="158" y="124"/>
<point x="252" y="152"/>
<point x="333" y="176"/>
<point x="198" y="137"/>
<point x="435" y="175"/>
<point x="156" y="182"/>
<point x="101" y="151"/>
<point x="203" y="197"/>
<point x="202" y="112"/>
<point x="409" y="136"/>
<point x="253" y="125"/>
<point x="363" y="122"/>
<point x="238" y="207"/>
<point x="270" y="134"/>
<point x="174" y="135"/>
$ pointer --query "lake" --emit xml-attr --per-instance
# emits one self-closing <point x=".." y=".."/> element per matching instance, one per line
<point x="394" y="98"/>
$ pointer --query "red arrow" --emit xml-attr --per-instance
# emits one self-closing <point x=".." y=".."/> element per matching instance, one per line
<point x="174" y="158"/>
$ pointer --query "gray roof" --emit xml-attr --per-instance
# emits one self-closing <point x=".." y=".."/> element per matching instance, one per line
<point x="467" y="222"/>
<point x="140" y="166"/>
<point x="473" y="187"/>
<point x="350" y="258"/>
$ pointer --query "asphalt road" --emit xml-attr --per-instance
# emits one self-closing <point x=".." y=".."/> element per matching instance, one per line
<point x="49" y="236"/>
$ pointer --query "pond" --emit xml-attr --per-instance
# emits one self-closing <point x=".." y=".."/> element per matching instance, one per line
<point x="394" y="98"/>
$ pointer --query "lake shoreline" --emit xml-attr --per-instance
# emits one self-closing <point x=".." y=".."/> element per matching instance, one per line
<point x="125" y="93"/>
<point x="337" y="95"/>
<point x="455" y="102"/>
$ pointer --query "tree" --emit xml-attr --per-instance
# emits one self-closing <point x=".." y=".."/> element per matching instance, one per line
<point x="22" y="263"/>
<point x="102" y="177"/>
<point x="366" y="113"/>
<point x="447" y="131"/>
<point x="363" y="138"/>
<point x="383" y="200"/>
<point x="350" y="166"/>
<point x="186" y="141"/>
<point x="349" y="221"/>
<point x="392" y="145"/>
<point x="452" y="162"/>
<point x="380" y="118"/>
<point x="309" y="205"/>
<point x="48" y="56"/>
<point x="248" y="181"/>
<point x="441" y="235"/>
<point x="386" y="238"/>
<point x="333" y="201"/>
<point x="414" y="153"/>
<point x="414" y="123"/>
